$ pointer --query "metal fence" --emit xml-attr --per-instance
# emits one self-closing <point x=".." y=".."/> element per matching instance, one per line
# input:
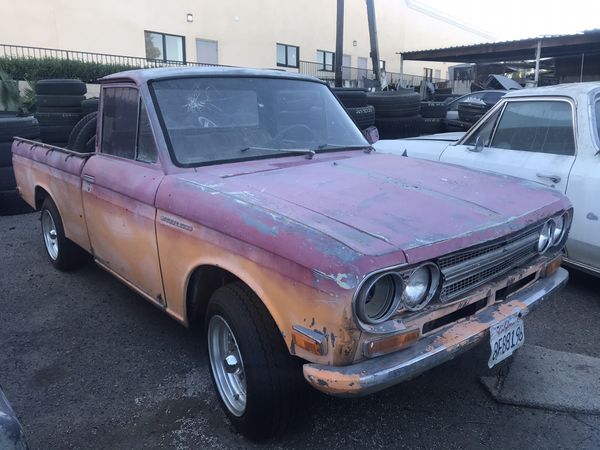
<point x="352" y="76"/>
<point x="359" y="77"/>
<point x="18" y="51"/>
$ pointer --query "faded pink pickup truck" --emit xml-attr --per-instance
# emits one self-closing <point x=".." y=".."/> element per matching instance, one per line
<point x="251" y="201"/>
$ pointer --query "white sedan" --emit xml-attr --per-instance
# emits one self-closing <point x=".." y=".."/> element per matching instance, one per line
<point x="549" y="135"/>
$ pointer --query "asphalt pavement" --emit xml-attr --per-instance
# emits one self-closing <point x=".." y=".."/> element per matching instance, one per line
<point x="87" y="363"/>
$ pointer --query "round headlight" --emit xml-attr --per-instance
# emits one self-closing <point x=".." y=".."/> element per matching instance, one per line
<point x="421" y="287"/>
<point x="379" y="298"/>
<point x="546" y="235"/>
<point x="559" y="228"/>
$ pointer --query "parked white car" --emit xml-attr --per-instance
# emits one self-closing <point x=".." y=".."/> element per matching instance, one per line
<point x="549" y="135"/>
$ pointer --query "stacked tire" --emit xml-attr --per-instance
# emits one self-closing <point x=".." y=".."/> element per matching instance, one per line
<point x="11" y="125"/>
<point x="397" y="113"/>
<point x="58" y="108"/>
<point x="434" y="117"/>
<point x="83" y="136"/>
<point x="442" y="94"/>
<point x="355" y="102"/>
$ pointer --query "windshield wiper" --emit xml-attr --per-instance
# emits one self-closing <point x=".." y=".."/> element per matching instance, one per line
<point x="302" y="151"/>
<point x="343" y="147"/>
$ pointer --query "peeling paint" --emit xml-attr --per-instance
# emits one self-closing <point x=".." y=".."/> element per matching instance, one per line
<point x="343" y="280"/>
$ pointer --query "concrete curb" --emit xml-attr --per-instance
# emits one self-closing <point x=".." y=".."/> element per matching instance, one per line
<point x="549" y="379"/>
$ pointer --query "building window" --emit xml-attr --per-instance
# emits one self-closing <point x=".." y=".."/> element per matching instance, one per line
<point x="326" y="60"/>
<point x="438" y="74"/>
<point x="288" y="55"/>
<point x="428" y="73"/>
<point x="164" y="47"/>
<point x="382" y="65"/>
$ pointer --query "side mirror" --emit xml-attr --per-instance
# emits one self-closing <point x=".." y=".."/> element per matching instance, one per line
<point x="478" y="145"/>
<point x="371" y="134"/>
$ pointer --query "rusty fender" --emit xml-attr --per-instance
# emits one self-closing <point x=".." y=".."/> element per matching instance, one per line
<point x="379" y="373"/>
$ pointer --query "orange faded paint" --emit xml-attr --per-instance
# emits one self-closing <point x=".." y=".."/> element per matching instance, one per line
<point x="35" y="168"/>
<point x="289" y="302"/>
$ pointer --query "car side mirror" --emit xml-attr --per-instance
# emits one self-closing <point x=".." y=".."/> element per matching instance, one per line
<point x="371" y="134"/>
<point x="478" y="145"/>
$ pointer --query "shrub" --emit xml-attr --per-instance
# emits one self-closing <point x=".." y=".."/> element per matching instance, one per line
<point x="31" y="69"/>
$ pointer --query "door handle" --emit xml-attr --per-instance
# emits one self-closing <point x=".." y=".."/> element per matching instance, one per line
<point x="554" y="178"/>
<point x="89" y="178"/>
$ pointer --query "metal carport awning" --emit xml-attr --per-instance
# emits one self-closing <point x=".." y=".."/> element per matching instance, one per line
<point x="520" y="50"/>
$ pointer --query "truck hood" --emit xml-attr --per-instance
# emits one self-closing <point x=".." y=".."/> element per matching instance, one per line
<point x="372" y="204"/>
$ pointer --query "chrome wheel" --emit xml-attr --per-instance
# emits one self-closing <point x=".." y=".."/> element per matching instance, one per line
<point x="50" y="235"/>
<point x="227" y="365"/>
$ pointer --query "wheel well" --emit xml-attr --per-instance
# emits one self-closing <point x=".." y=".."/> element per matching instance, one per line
<point x="204" y="281"/>
<point x="40" y="196"/>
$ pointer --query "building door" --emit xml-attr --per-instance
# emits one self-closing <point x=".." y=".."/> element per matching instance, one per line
<point x="207" y="52"/>
<point x="346" y="71"/>
<point x="362" y="64"/>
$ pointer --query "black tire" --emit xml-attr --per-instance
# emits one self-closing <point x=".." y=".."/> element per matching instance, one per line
<point x="441" y="97"/>
<point x="60" y="86"/>
<point x="90" y="145"/>
<point x="432" y="125"/>
<point x="363" y="116"/>
<point x="273" y="377"/>
<point x="59" y="109"/>
<point x="77" y="128"/>
<point x="394" y="104"/>
<point x="68" y="101"/>
<point x="399" y="127"/>
<point x="70" y="256"/>
<point x="26" y="127"/>
<point x="433" y="110"/>
<point x="11" y="203"/>
<point x="55" y="133"/>
<point x="457" y="125"/>
<point x="60" y="118"/>
<point x="57" y="144"/>
<point x="5" y="154"/>
<point x="7" y="179"/>
<point x="87" y="131"/>
<point x="89" y="105"/>
<point x="351" y="97"/>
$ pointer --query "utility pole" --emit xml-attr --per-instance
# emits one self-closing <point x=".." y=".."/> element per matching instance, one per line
<point x="339" y="43"/>
<point x="373" y="38"/>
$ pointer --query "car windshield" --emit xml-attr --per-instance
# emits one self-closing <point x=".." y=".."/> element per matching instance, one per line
<point x="224" y="119"/>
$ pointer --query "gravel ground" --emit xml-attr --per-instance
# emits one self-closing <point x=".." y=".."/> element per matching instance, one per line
<point x="87" y="363"/>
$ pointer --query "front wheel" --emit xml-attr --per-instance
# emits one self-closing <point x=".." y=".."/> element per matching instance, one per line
<point x="63" y="253"/>
<point x="257" y="381"/>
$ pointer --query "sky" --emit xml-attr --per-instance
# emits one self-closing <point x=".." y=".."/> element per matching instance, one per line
<point x="518" y="19"/>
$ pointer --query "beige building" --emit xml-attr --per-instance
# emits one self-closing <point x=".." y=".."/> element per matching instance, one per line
<point x="259" y="33"/>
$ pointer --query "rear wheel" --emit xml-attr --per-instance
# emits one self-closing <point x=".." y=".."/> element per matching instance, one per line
<point x="257" y="381"/>
<point x="63" y="253"/>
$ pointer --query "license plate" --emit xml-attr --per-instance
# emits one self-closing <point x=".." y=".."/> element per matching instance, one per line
<point x="505" y="338"/>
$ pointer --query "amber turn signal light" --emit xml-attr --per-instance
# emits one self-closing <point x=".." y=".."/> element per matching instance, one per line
<point x="308" y="340"/>
<point x="390" y="344"/>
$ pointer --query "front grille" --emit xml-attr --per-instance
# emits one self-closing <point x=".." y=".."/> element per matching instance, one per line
<point x="465" y="270"/>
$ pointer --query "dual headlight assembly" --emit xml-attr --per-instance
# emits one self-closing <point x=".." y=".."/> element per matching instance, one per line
<point x="385" y="293"/>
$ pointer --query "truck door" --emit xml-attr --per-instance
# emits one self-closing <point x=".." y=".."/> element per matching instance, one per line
<point x="527" y="138"/>
<point x="119" y="188"/>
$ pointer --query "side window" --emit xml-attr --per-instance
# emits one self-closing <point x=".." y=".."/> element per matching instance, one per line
<point x="146" y="147"/>
<point x="598" y="118"/>
<point x="485" y="130"/>
<point x="491" y="98"/>
<point x="474" y="97"/>
<point x="119" y="121"/>
<point x="537" y="126"/>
